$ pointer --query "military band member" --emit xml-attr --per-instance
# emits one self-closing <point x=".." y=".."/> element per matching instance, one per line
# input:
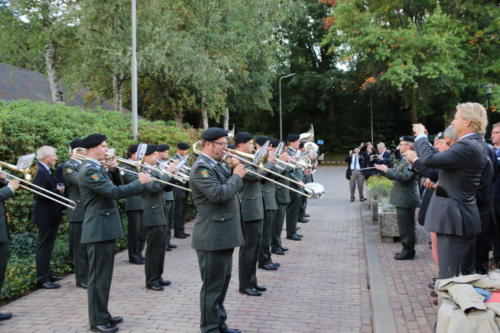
<point x="292" y="210"/>
<point x="181" y="196"/>
<point x="134" y="208"/>
<point x="155" y="222"/>
<point x="168" y="196"/>
<point x="75" y="217"/>
<point x="217" y="230"/>
<point x="7" y="189"/>
<point x="101" y="227"/>
<point x="303" y="217"/>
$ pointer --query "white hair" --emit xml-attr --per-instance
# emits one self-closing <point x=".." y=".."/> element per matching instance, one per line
<point x="44" y="151"/>
<point x="380" y="145"/>
<point x="476" y="114"/>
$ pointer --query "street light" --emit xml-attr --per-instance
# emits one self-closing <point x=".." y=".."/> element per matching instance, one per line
<point x="134" y="71"/>
<point x="281" y="122"/>
<point x="489" y="92"/>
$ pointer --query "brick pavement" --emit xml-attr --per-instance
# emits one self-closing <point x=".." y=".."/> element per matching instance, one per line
<point x="320" y="287"/>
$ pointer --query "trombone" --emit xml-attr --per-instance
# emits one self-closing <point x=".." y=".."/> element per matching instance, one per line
<point x="38" y="190"/>
<point x="243" y="158"/>
<point x="136" y="165"/>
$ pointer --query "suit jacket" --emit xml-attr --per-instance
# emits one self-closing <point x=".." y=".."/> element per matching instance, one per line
<point x="102" y="220"/>
<point x="484" y="193"/>
<point x="215" y="195"/>
<point x="453" y="208"/>
<point x="70" y="176"/>
<point x="5" y="193"/>
<point x="153" y="214"/>
<point x="132" y="203"/>
<point x="404" y="191"/>
<point x="348" y="160"/>
<point x="386" y="159"/>
<point x="496" y="185"/>
<point x="178" y="193"/>
<point x="46" y="211"/>
<point x="426" y="194"/>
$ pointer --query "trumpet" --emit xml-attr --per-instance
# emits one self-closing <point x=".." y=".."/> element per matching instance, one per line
<point x="38" y="190"/>
<point x="137" y="165"/>
<point x="182" y="171"/>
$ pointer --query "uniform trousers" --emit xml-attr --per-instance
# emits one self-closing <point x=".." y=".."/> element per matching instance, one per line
<point x="4" y="257"/>
<point x="455" y="255"/>
<point x="180" y="215"/>
<point x="155" y="254"/>
<point x="78" y="252"/>
<point x="46" y="239"/>
<point x="215" y="270"/>
<point x="101" y="262"/>
<point x="249" y="253"/>
<point x="292" y="214"/>
<point x="278" y="226"/>
<point x="136" y="235"/>
<point x="169" y="213"/>
<point x="406" y="225"/>
<point x="267" y="235"/>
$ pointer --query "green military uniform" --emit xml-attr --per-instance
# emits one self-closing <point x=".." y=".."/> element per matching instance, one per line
<point x="155" y="224"/>
<point x="134" y="207"/>
<point x="75" y="218"/>
<point x="303" y="199"/>
<point x="283" y="200"/>
<point x="217" y="231"/>
<point x="292" y="210"/>
<point x="5" y="193"/>
<point x="101" y="227"/>
<point x="169" y="204"/>
<point x="404" y="195"/>
<point x="181" y="198"/>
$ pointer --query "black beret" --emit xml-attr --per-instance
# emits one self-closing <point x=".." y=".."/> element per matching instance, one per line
<point x="76" y="143"/>
<point x="182" y="146"/>
<point x="163" y="148"/>
<point x="93" y="140"/>
<point x="301" y="145"/>
<point x="274" y="142"/>
<point x="151" y="149"/>
<point x="230" y="146"/>
<point x="260" y="140"/>
<point x="292" y="137"/>
<point x="132" y="149"/>
<point x="242" y="137"/>
<point x="407" y="138"/>
<point x="213" y="133"/>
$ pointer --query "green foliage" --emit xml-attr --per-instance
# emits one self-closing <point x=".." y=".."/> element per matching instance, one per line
<point x="379" y="186"/>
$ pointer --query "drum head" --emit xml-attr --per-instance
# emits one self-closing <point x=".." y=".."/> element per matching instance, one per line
<point x="315" y="189"/>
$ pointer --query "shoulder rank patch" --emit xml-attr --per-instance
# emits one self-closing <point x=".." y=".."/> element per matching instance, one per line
<point x="95" y="177"/>
<point x="69" y="170"/>
<point x="204" y="173"/>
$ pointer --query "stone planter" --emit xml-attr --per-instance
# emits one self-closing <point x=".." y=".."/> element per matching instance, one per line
<point x="374" y="209"/>
<point x="388" y="225"/>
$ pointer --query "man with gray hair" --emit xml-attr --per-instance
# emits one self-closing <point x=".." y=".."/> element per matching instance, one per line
<point x="384" y="156"/>
<point x="47" y="217"/>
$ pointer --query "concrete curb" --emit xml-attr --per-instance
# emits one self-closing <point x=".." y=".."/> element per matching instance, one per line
<point x="382" y="315"/>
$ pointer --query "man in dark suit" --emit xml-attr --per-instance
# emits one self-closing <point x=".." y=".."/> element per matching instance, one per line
<point x="218" y="229"/>
<point x="355" y="162"/>
<point x="47" y="217"/>
<point x="495" y="139"/>
<point x="7" y="189"/>
<point x="101" y="227"/>
<point x="384" y="156"/>
<point x="181" y="196"/>
<point x="453" y="212"/>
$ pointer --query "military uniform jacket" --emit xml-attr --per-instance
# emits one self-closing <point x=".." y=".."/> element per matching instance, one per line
<point x="404" y="191"/>
<point x="282" y="193"/>
<point x="298" y="173"/>
<point x="215" y="195"/>
<point x="269" y="189"/>
<point x="133" y="203"/>
<point x="178" y="193"/>
<point x="5" y="193"/>
<point x="252" y="202"/>
<point x="153" y="214"/>
<point x="102" y="220"/>
<point x="70" y="176"/>
<point x="168" y="194"/>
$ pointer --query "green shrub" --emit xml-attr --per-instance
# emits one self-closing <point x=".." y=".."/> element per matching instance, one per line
<point x="380" y="186"/>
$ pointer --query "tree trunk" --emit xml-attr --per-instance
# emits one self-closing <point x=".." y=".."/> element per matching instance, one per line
<point x="413" y="105"/>
<point x="226" y="119"/>
<point x="204" y="116"/>
<point x="50" y="65"/>
<point x="118" y="92"/>
<point x="178" y="117"/>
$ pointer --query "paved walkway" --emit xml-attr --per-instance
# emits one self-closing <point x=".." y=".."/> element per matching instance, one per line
<point x="322" y="285"/>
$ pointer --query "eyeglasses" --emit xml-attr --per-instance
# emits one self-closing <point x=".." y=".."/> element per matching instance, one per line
<point x="223" y="144"/>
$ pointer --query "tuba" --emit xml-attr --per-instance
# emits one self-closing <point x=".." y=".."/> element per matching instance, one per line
<point x="307" y="136"/>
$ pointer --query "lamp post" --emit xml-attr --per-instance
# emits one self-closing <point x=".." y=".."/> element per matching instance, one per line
<point x="134" y="72"/>
<point x="281" y="122"/>
<point x="489" y="92"/>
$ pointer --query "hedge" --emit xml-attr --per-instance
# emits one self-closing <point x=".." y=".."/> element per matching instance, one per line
<point x="24" y="127"/>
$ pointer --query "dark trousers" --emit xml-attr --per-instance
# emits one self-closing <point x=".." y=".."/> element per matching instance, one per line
<point x="302" y="207"/>
<point x="215" y="270"/>
<point x="136" y="235"/>
<point x="455" y="255"/>
<point x="101" y="262"/>
<point x="180" y="215"/>
<point x="4" y="257"/>
<point x="406" y="225"/>
<point x="169" y="213"/>
<point x="278" y="226"/>
<point x="78" y="252"/>
<point x="46" y="239"/>
<point x="249" y="253"/>
<point x="267" y="234"/>
<point x="483" y="243"/>
<point x="155" y="254"/>
<point x="292" y="214"/>
<point x="496" y="232"/>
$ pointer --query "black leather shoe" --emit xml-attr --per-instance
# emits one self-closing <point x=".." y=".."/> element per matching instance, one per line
<point x="181" y="236"/>
<point x="352" y="199"/>
<point x="136" y="260"/>
<point x="165" y="283"/>
<point x="294" y="237"/>
<point x="307" y="215"/>
<point x="5" y="316"/>
<point x="250" y="292"/>
<point x="405" y="256"/>
<point x="155" y="287"/>
<point x="284" y="249"/>
<point x="55" y="278"/>
<point x="172" y="246"/>
<point x="49" y="285"/>
<point x="277" y="264"/>
<point x="362" y="199"/>
<point x="300" y="235"/>
<point x="168" y="249"/>
<point x="115" y="320"/>
<point x="229" y="330"/>
<point x="260" y="288"/>
<point x="268" y="267"/>
<point x="81" y="285"/>
<point x="278" y="252"/>
<point x="141" y="257"/>
<point x="304" y="220"/>
<point x="108" y="328"/>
